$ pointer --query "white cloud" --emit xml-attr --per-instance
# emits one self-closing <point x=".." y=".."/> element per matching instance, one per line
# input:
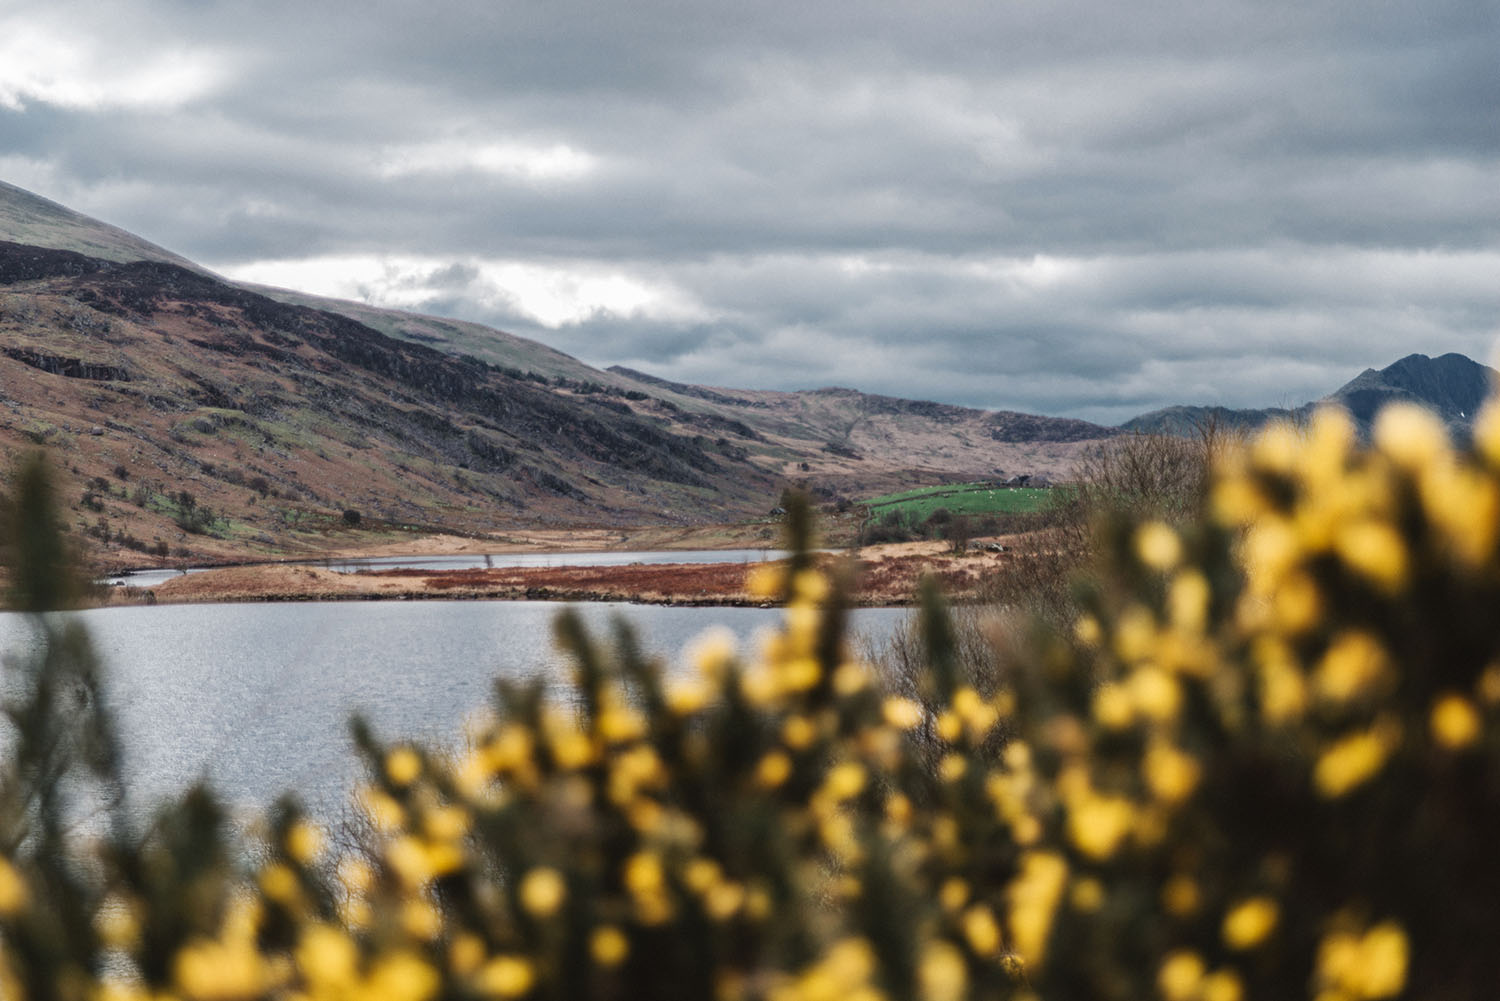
<point x="548" y="295"/>
<point x="516" y="160"/>
<point x="1070" y="207"/>
<point x="40" y="64"/>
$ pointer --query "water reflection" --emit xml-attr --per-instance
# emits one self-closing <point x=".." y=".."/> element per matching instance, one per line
<point x="256" y="697"/>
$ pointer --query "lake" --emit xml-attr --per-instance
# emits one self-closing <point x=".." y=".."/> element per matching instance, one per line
<point x="257" y="697"/>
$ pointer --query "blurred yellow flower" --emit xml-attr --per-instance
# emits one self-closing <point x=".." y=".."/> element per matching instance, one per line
<point x="402" y="766"/>
<point x="849" y="962"/>
<point x="1384" y="955"/>
<point x="1487" y="433"/>
<point x="981" y="930"/>
<point x="1455" y="722"/>
<point x="1409" y="435"/>
<point x="1249" y="922"/>
<point x="1088" y="631"/>
<point x="219" y="971"/>
<point x="1297" y="603"/>
<point x="1277" y="448"/>
<point x="505" y="977"/>
<point x="1171" y="774"/>
<point x="1354" y="663"/>
<point x="421" y="920"/>
<point x="844" y="780"/>
<point x="952" y="767"/>
<point x="643" y="874"/>
<point x="1375" y="550"/>
<point x="953" y="894"/>
<point x="1180" y="975"/>
<point x="1371" y="966"/>
<point x="1135" y="633"/>
<point x="1188" y="599"/>
<point x="764" y="580"/>
<point x="1113" y="707"/>
<point x="1351" y="762"/>
<point x="466" y="953"/>
<point x="902" y="713"/>
<point x="941" y="973"/>
<point x="1222" y="985"/>
<point x="303" y="841"/>
<point x="327" y="957"/>
<point x="724" y="900"/>
<point x="13" y="893"/>
<point x="1271" y="549"/>
<point x="608" y="946"/>
<point x="1158" y="546"/>
<point x="773" y="770"/>
<point x="1283" y="692"/>
<point x="810" y="586"/>
<point x="798" y="732"/>
<point x="543" y="891"/>
<point x="1034" y="895"/>
<point x="1156" y="694"/>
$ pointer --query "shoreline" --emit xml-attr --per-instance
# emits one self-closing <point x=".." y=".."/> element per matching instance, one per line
<point x="883" y="576"/>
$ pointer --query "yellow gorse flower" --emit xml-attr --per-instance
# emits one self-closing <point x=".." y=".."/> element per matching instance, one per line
<point x="1316" y="655"/>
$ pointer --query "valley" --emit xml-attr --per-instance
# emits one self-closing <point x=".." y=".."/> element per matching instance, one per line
<point x="195" y="421"/>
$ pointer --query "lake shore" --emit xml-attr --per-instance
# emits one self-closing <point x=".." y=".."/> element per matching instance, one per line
<point x="883" y="576"/>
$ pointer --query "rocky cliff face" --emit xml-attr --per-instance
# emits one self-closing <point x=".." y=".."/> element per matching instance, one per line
<point x="1452" y="386"/>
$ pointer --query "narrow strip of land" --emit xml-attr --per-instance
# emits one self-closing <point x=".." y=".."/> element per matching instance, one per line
<point x="882" y="575"/>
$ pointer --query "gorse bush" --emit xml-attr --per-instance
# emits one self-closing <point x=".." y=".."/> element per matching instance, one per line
<point x="1264" y="763"/>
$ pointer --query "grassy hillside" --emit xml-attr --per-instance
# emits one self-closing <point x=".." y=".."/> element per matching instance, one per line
<point x="961" y="498"/>
<point x="36" y="221"/>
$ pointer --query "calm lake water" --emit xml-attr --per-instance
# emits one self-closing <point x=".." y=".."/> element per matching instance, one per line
<point x="257" y="697"/>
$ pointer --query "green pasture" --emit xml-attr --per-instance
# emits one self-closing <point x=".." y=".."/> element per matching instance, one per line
<point x="961" y="498"/>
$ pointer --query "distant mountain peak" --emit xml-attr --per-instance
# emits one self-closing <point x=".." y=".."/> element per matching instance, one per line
<point x="1452" y="386"/>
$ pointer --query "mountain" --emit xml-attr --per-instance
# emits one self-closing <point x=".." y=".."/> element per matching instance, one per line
<point x="1452" y="386"/>
<point x="196" y="416"/>
<point x="169" y="393"/>
<point x="1190" y="421"/>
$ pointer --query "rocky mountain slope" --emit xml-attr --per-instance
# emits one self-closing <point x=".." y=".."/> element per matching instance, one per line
<point x="1452" y="386"/>
<point x="178" y="401"/>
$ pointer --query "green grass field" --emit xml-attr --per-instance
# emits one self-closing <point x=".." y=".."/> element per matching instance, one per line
<point x="961" y="498"/>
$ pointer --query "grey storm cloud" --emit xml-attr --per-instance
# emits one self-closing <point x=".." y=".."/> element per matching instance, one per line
<point x="1073" y="207"/>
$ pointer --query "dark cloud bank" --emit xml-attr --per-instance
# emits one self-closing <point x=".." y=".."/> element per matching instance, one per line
<point x="1076" y="207"/>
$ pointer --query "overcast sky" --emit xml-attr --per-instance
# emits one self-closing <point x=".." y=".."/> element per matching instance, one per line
<point x="1076" y="207"/>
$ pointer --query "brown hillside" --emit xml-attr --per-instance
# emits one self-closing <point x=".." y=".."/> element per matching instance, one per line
<point x="147" y="380"/>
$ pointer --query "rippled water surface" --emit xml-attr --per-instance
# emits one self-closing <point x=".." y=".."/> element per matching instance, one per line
<point x="257" y="697"/>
